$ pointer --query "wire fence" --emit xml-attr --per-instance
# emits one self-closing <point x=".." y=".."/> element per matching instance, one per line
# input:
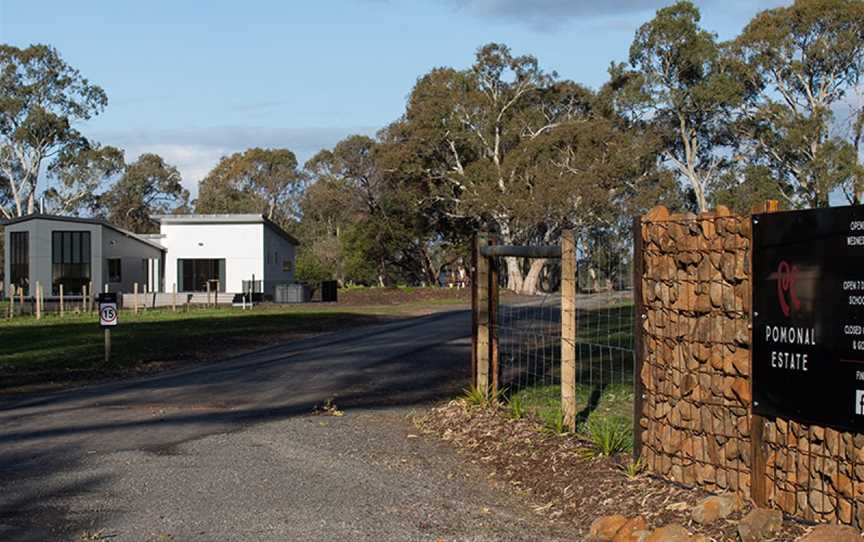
<point x="529" y="327"/>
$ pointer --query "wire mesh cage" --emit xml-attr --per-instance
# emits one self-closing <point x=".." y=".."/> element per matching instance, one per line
<point x="528" y="328"/>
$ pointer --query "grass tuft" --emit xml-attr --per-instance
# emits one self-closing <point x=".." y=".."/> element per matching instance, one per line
<point x="608" y="436"/>
<point x="515" y="407"/>
<point x="557" y="425"/>
<point x="632" y="469"/>
<point x="481" y="397"/>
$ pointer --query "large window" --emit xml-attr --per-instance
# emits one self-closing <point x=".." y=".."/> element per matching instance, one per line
<point x="115" y="270"/>
<point x="70" y="259"/>
<point x="19" y="260"/>
<point x="193" y="275"/>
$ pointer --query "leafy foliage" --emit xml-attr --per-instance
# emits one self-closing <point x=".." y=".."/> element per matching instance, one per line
<point x="263" y="181"/>
<point x="42" y="100"/>
<point x="148" y="186"/>
<point x="799" y="61"/>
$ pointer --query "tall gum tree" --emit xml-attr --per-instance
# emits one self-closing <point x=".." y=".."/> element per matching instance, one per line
<point x="265" y="181"/>
<point x="41" y="98"/>
<point x="801" y="61"/>
<point x="149" y="186"/>
<point x="462" y="128"/>
<point x="687" y="91"/>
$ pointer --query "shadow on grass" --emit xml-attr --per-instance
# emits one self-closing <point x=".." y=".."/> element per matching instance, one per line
<point x="57" y="350"/>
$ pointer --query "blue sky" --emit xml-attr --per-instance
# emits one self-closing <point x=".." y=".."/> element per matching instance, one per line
<point x="194" y="81"/>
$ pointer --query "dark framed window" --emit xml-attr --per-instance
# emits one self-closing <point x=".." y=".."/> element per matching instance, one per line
<point x="70" y="261"/>
<point x="115" y="270"/>
<point x="19" y="260"/>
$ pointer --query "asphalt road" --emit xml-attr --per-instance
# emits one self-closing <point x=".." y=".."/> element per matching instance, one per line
<point x="233" y="451"/>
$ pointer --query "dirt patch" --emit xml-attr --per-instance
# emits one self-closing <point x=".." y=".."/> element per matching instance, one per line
<point x="399" y="296"/>
<point x="553" y="473"/>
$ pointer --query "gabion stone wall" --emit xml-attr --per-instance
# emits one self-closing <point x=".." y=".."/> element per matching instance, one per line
<point x="815" y="473"/>
<point x="695" y="377"/>
<point x="695" y="373"/>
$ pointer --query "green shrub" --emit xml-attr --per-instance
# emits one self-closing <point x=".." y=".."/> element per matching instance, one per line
<point x="516" y="408"/>
<point x="479" y="397"/>
<point x="608" y="436"/>
<point x="632" y="469"/>
<point x="556" y="424"/>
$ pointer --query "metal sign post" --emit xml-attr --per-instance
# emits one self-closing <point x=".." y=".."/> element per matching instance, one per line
<point x="108" y="318"/>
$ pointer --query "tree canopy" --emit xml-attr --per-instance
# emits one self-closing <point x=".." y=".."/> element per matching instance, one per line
<point x="265" y="181"/>
<point x="42" y="98"/>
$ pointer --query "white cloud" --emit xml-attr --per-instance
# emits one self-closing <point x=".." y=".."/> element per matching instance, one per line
<point x="545" y="15"/>
<point x="196" y="150"/>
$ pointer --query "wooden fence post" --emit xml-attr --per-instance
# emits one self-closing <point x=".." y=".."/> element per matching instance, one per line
<point x="12" y="304"/>
<point x="482" y="383"/>
<point x="174" y="297"/>
<point x="135" y="297"/>
<point x="61" y="300"/>
<point x="38" y="298"/>
<point x="568" y="328"/>
<point x="475" y="256"/>
<point x="639" y="317"/>
<point x="208" y="293"/>
<point x="758" y="453"/>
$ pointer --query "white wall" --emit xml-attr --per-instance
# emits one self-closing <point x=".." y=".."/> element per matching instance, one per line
<point x="277" y="250"/>
<point x="240" y="245"/>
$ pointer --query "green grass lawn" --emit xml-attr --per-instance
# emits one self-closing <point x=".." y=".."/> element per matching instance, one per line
<point x="72" y="348"/>
<point x="613" y="402"/>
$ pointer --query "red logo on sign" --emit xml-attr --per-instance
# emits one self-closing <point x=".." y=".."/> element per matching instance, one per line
<point x="786" y="277"/>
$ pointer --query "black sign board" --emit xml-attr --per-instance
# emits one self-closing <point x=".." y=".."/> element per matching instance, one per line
<point x="108" y="309"/>
<point x="808" y="316"/>
<point x="106" y="297"/>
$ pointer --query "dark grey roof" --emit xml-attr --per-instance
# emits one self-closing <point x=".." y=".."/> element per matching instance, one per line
<point x="81" y="220"/>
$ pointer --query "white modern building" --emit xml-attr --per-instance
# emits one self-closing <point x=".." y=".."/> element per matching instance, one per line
<point x="227" y="253"/>
<point x="233" y="250"/>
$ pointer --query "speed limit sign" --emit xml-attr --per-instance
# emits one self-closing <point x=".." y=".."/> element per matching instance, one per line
<point x="108" y="310"/>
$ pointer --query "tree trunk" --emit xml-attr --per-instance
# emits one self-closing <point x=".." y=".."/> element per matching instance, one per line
<point x="428" y="268"/>
<point x="527" y="284"/>
<point x="530" y="286"/>
<point x="514" y="274"/>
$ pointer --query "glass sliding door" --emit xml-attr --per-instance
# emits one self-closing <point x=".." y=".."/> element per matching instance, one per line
<point x="70" y="261"/>
<point x="19" y="260"/>
<point x="194" y="274"/>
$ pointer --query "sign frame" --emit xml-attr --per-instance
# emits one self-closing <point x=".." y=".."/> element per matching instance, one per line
<point x="807" y="351"/>
<point x="109" y="313"/>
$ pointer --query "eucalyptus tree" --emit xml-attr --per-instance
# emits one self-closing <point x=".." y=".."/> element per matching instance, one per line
<point x="148" y="186"/>
<point x="365" y="215"/>
<point x="801" y="61"/>
<point x="265" y="181"/>
<point x="459" y="134"/>
<point x="41" y="99"/>
<point x="79" y="177"/>
<point x="684" y="86"/>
